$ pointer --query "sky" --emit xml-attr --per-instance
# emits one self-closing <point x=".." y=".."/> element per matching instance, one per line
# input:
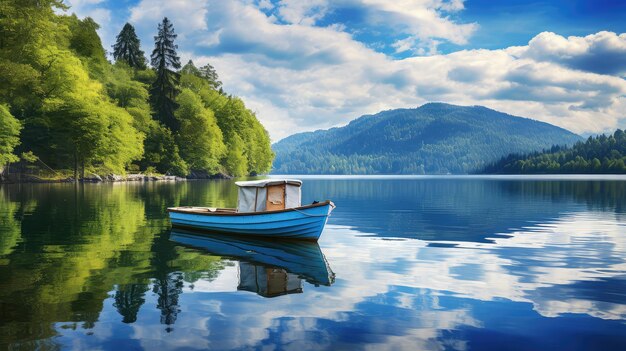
<point x="308" y="65"/>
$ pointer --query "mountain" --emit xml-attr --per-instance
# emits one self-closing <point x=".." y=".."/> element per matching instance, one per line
<point x="435" y="138"/>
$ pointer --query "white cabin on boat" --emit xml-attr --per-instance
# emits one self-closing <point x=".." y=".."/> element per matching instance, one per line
<point x="268" y="195"/>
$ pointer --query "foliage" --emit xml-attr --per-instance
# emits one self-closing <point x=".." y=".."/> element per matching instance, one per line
<point x="129" y="93"/>
<point x="68" y="119"/>
<point x="161" y="152"/>
<point x="84" y="39"/>
<point x="235" y="162"/>
<point x="234" y="120"/>
<point x="199" y="137"/>
<point x="206" y="73"/>
<point x="85" y="127"/>
<point x="190" y="69"/>
<point x="165" y="60"/>
<point x="600" y="154"/>
<point x="78" y="111"/>
<point x="9" y="136"/>
<point x="29" y="157"/>
<point x="127" y="48"/>
<point x="433" y="139"/>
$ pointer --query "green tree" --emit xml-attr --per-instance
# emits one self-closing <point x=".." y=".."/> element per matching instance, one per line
<point x="165" y="60"/>
<point x="84" y="39"/>
<point x="27" y="28"/>
<point x="235" y="120"/>
<point x="80" y="112"/>
<point x="190" y="68"/>
<point x="130" y="94"/>
<point x="210" y="74"/>
<point x="199" y="137"/>
<point x="236" y="162"/>
<point x="161" y="151"/>
<point x="86" y="129"/>
<point x="127" y="48"/>
<point x="582" y="157"/>
<point x="9" y="136"/>
<point x="206" y="73"/>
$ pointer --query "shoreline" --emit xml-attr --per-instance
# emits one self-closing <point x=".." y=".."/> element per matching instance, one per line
<point x="110" y="178"/>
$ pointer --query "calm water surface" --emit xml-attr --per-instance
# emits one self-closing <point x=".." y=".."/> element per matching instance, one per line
<point x="404" y="263"/>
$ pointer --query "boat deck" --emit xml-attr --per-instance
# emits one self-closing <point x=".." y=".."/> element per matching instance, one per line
<point x="195" y="209"/>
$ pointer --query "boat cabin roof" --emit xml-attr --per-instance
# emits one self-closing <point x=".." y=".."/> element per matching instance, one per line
<point x="267" y="182"/>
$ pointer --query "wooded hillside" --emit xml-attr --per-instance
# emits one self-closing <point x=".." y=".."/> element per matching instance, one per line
<point x="435" y="138"/>
<point x="600" y="154"/>
<point x="63" y="104"/>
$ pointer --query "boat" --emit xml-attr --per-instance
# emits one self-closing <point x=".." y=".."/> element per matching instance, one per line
<point x="265" y="208"/>
<point x="267" y="267"/>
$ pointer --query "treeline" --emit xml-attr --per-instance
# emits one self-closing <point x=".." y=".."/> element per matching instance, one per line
<point x="600" y="154"/>
<point x="64" y="105"/>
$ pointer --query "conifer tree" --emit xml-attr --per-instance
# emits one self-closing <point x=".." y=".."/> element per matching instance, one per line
<point x="127" y="48"/>
<point x="210" y="74"/>
<point x="165" y="61"/>
<point x="190" y="68"/>
<point x="206" y="72"/>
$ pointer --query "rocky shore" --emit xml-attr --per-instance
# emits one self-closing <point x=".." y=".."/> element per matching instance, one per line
<point x="109" y="178"/>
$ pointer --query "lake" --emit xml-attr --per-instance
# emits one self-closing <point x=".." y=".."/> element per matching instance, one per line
<point x="405" y="263"/>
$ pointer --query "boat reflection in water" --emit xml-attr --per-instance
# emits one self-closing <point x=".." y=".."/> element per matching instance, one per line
<point x="267" y="281"/>
<point x="268" y="268"/>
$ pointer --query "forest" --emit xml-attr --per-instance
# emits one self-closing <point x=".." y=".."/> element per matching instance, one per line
<point x="66" y="108"/>
<point x="599" y="154"/>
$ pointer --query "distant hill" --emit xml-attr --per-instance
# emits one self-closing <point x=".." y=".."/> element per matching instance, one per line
<point x="599" y="154"/>
<point x="435" y="138"/>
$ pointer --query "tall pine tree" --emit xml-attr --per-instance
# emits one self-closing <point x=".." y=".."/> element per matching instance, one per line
<point x="165" y="61"/>
<point x="127" y="48"/>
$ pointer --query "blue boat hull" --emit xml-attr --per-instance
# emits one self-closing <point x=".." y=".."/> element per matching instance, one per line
<point x="306" y="222"/>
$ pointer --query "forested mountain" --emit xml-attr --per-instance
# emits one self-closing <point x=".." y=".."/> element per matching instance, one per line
<point x="65" y="106"/>
<point x="599" y="154"/>
<point x="435" y="138"/>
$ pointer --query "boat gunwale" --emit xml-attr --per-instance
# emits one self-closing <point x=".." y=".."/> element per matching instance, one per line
<point x="228" y="212"/>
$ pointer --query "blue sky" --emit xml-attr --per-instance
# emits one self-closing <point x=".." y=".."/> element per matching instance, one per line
<point x="305" y="65"/>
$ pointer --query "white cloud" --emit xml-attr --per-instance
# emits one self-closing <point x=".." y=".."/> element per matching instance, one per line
<point x="188" y="17"/>
<point x="602" y="52"/>
<point x="423" y="22"/>
<point x="302" y="12"/>
<point x="299" y="77"/>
